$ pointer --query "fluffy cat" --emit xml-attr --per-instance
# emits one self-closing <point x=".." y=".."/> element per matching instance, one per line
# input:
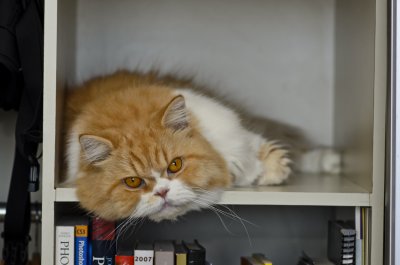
<point x="142" y="146"/>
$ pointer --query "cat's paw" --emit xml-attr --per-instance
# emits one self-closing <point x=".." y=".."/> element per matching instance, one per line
<point x="331" y="162"/>
<point x="320" y="160"/>
<point x="276" y="164"/>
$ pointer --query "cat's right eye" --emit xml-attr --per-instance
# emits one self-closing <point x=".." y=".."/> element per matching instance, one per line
<point x="133" y="182"/>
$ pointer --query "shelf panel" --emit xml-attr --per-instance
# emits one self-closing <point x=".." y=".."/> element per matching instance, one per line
<point x="311" y="190"/>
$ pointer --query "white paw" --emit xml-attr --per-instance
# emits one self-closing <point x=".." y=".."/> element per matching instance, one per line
<point x="276" y="164"/>
<point x="331" y="162"/>
<point x="321" y="160"/>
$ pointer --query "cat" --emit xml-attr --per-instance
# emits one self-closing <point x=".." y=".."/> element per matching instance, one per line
<point x="139" y="145"/>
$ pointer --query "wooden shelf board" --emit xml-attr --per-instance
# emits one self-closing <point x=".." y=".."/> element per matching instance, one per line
<point x="312" y="190"/>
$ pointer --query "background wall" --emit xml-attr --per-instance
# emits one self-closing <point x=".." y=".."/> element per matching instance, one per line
<point x="282" y="49"/>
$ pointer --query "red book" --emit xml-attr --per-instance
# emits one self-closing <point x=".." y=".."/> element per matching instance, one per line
<point x="123" y="260"/>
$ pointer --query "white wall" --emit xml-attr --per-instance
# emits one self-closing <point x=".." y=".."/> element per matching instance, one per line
<point x="281" y="50"/>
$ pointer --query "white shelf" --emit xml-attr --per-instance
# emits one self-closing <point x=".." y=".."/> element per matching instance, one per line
<point x="310" y="190"/>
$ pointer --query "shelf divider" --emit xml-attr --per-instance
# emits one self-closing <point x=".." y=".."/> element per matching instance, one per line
<point x="307" y="190"/>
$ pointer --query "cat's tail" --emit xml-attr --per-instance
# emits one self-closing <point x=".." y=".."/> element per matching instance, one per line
<point x="319" y="160"/>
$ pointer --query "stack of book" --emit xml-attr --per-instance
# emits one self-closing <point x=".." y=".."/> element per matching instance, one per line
<point x="162" y="253"/>
<point x="79" y="243"/>
<point x="342" y="242"/>
<point x="255" y="259"/>
<point x="75" y="244"/>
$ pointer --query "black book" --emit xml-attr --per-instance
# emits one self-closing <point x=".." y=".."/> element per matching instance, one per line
<point x="341" y="238"/>
<point x="196" y="254"/>
<point x="103" y="242"/>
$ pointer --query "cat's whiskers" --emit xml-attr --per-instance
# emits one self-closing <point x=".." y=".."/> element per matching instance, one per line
<point x="200" y="190"/>
<point x="125" y="224"/>
<point x="231" y="216"/>
<point x="203" y="201"/>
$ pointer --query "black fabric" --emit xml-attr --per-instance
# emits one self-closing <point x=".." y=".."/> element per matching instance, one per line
<point x="10" y="78"/>
<point x="21" y="88"/>
<point x="17" y="221"/>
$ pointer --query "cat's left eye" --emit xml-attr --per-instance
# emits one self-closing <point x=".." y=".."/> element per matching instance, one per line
<point x="175" y="165"/>
<point x="133" y="182"/>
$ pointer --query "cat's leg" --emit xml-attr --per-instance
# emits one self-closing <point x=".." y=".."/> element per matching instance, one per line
<point x="261" y="162"/>
<point x="275" y="163"/>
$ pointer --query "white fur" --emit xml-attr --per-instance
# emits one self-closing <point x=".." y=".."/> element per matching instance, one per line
<point x="241" y="148"/>
<point x="221" y="126"/>
<point x="179" y="200"/>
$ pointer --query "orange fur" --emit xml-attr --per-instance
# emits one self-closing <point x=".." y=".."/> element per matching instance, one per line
<point x="127" y="109"/>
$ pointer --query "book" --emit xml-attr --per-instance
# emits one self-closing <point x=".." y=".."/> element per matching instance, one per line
<point x="249" y="261"/>
<point x="81" y="244"/>
<point x="180" y="254"/>
<point x="164" y="253"/>
<point x="262" y="259"/>
<point x="341" y="242"/>
<point x="144" y="254"/>
<point x="124" y="259"/>
<point x="65" y="244"/>
<point x="196" y="254"/>
<point x="307" y="260"/>
<point x="125" y="251"/>
<point x="103" y="242"/>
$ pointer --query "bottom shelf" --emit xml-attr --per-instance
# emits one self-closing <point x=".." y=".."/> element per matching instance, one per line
<point x="281" y="232"/>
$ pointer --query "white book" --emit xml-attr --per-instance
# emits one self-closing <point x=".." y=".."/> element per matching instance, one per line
<point x="163" y="253"/>
<point x="144" y="254"/>
<point x="65" y="245"/>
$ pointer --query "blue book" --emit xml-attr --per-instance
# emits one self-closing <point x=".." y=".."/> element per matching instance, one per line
<point x="81" y="245"/>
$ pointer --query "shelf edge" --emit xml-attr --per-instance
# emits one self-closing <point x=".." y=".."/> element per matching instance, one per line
<point x="266" y="198"/>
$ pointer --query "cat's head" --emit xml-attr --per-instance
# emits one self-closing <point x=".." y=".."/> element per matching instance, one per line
<point x="160" y="168"/>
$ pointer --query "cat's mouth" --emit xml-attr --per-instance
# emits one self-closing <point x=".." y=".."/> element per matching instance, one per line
<point x="166" y="205"/>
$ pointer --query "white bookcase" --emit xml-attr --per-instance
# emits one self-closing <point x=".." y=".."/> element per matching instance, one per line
<point x="320" y="65"/>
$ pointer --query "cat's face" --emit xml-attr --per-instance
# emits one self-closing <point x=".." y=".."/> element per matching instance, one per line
<point x="159" y="171"/>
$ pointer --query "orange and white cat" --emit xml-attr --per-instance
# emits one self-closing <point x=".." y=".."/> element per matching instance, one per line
<point x="139" y="146"/>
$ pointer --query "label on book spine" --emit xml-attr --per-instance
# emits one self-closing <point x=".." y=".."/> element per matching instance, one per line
<point x="81" y="245"/>
<point x="144" y="257"/>
<point x="64" y="245"/>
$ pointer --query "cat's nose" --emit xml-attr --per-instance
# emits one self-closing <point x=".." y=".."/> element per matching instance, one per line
<point x="162" y="193"/>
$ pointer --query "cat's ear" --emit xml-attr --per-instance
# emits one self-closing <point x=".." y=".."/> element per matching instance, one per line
<point x="95" y="149"/>
<point x="176" y="115"/>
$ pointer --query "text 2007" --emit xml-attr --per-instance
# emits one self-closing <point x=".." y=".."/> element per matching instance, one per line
<point x="143" y="259"/>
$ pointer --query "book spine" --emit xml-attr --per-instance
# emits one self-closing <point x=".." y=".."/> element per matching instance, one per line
<point x="164" y="258"/>
<point x="181" y="259"/>
<point x="64" y="245"/>
<point x="81" y="244"/>
<point x="103" y="242"/>
<point x="144" y="257"/>
<point x="124" y="260"/>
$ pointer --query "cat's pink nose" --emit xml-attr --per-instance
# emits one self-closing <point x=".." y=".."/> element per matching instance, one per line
<point x="162" y="193"/>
